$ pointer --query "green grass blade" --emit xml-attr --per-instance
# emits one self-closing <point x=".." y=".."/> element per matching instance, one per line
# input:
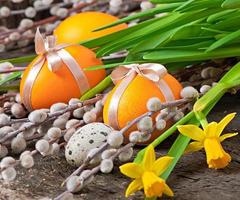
<point x="12" y="77"/>
<point x="228" y="4"/>
<point x="168" y="56"/>
<point x="104" y="84"/>
<point x="224" y="41"/>
<point x="147" y="13"/>
<point x="19" y="60"/>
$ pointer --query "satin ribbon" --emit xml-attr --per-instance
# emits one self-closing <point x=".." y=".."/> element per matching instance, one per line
<point x="55" y="56"/>
<point x="151" y="71"/>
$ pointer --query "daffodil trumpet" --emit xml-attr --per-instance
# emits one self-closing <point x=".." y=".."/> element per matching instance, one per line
<point x="209" y="138"/>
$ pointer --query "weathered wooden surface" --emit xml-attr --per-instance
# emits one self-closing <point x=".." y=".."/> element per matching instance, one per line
<point x="191" y="178"/>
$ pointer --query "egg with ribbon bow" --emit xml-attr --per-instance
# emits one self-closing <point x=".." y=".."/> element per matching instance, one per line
<point x="57" y="73"/>
<point x="135" y="85"/>
<point x="80" y="27"/>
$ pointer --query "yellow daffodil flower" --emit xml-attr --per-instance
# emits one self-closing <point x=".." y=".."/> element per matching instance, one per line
<point x="146" y="175"/>
<point x="210" y="139"/>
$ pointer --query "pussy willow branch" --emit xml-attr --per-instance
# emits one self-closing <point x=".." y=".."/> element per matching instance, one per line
<point x="123" y="130"/>
<point x="51" y="116"/>
<point x="96" y="169"/>
<point x="22" y="11"/>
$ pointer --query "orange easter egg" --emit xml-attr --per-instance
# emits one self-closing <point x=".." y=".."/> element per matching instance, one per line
<point x="79" y="27"/>
<point x="60" y="86"/>
<point x="134" y="99"/>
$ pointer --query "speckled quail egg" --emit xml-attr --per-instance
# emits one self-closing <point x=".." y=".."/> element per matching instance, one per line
<point x="83" y="140"/>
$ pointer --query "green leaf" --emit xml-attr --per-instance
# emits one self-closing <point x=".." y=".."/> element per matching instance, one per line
<point x="168" y="56"/>
<point x="220" y="15"/>
<point x="231" y="4"/>
<point x="147" y="13"/>
<point x="11" y="77"/>
<point x="224" y="41"/>
<point x="104" y="84"/>
<point x="23" y="59"/>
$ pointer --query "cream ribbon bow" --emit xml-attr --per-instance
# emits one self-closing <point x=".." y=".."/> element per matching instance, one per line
<point x="55" y="55"/>
<point x="126" y="73"/>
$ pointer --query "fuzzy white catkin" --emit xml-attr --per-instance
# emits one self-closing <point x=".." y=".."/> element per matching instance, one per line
<point x="86" y="177"/>
<point x="69" y="134"/>
<point x="145" y="124"/>
<point x="74" y="101"/>
<point x="5" y="11"/>
<point x="9" y="174"/>
<point x="71" y="123"/>
<point x="115" y="139"/>
<point x="42" y="146"/>
<point x="18" y="144"/>
<point x="89" y="117"/>
<point x="2" y="48"/>
<point x="54" y="9"/>
<point x="88" y="108"/>
<point x="135" y="136"/>
<point x="4" y="119"/>
<point x="30" y="12"/>
<point x="37" y="4"/>
<point x="27" y="161"/>
<point x="65" y="116"/>
<point x="7" y="162"/>
<point x="18" y="98"/>
<point x="146" y="5"/>
<point x="163" y="114"/>
<point x="3" y="151"/>
<point x="60" y="123"/>
<point x="115" y="3"/>
<point x="28" y="132"/>
<point x="74" y="184"/>
<point x="18" y="110"/>
<point x="37" y="116"/>
<point x="27" y="152"/>
<point x="14" y="36"/>
<point x="25" y="23"/>
<point x="178" y="116"/>
<point x="78" y="113"/>
<point x="47" y="2"/>
<point x="17" y="1"/>
<point x="54" y="133"/>
<point x="95" y="158"/>
<point x="204" y="89"/>
<point x="62" y="12"/>
<point x="57" y="107"/>
<point x="145" y="137"/>
<point x="189" y="92"/>
<point x="5" y="130"/>
<point x="161" y="124"/>
<point x="126" y="155"/>
<point x="108" y="153"/>
<point x="6" y="65"/>
<point x="154" y="104"/>
<point x="55" y="149"/>
<point x="106" y="166"/>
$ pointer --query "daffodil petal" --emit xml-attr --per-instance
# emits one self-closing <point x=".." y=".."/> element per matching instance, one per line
<point x="211" y="129"/>
<point x="167" y="190"/>
<point x="161" y="164"/>
<point x="227" y="135"/>
<point x="192" y="131"/>
<point x="194" y="146"/>
<point x="133" y="187"/>
<point x="149" y="158"/>
<point x="224" y="122"/>
<point x="213" y="148"/>
<point x="132" y="170"/>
